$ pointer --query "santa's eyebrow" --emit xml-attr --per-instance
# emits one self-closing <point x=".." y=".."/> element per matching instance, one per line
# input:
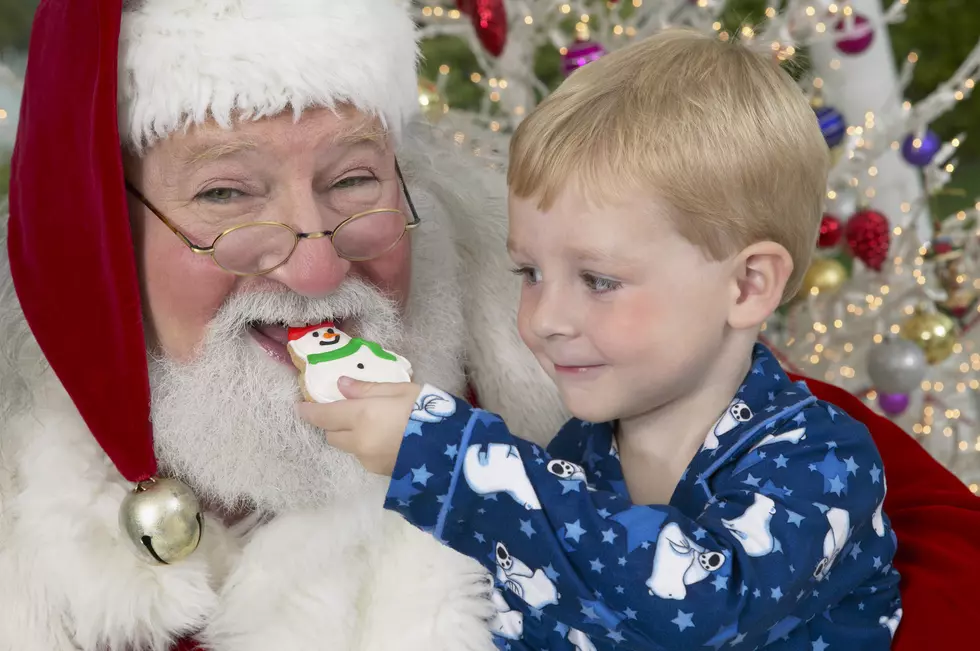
<point x="363" y="131"/>
<point x="217" y="150"/>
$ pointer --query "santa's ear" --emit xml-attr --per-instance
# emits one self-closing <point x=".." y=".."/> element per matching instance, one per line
<point x="760" y="273"/>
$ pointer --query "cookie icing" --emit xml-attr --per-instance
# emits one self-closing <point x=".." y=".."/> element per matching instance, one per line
<point x="324" y="354"/>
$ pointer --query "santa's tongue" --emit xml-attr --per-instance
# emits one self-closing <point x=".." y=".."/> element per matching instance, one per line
<point x="276" y="333"/>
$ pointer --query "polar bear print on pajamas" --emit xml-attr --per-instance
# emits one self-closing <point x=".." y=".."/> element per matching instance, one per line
<point x="877" y="523"/>
<point x="506" y="623"/>
<point x="751" y="529"/>
<point x="678" y="563"/>
<point x="737" y="412"/>
<point x="580" y="640"/>
<point x="891" y="623"/>
<point x="840" y="528"/>
<point x="433" y="405"/>
<point x="498" y="468"/>
<point x="566" y="470"/>
<point x="533" y="586"/>
<point x="793" y="436"/>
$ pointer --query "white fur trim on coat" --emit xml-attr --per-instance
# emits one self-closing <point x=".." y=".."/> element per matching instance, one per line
<point x="182" y="62"/>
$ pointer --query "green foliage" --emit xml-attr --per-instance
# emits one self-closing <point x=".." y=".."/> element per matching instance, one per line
<point x="15" y="23"/>
<point x="4" y="178"/>
<point x="941" y="31"/>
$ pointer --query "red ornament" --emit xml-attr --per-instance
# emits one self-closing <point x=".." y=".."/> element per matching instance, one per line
<point x="856" y="34"/>
<point x="867" y="235"/>
<point x="831" y="231"/>
<point x="941" y="246"/>
<point x="489" y="19"/>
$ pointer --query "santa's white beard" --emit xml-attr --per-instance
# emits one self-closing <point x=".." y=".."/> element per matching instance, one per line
<point x="226" y="423"/>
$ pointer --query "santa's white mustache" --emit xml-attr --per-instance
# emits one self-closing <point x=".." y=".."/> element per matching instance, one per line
<point x="357" y="304"/>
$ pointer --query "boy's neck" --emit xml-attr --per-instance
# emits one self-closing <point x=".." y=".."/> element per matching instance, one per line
<point x="656" y="447"/>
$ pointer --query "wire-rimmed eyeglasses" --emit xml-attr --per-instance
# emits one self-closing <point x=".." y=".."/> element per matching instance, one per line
<point x="257" y="248"/>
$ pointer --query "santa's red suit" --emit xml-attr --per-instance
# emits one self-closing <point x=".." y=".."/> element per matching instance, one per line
<point x="345" y="575"/>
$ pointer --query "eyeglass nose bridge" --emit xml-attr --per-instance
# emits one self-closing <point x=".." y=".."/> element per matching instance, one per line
<point x="315" y="235"/>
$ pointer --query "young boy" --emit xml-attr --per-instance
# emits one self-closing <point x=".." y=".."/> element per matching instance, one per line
<point x="664" y="201"/>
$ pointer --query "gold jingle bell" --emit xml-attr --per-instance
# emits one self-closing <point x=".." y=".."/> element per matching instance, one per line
<point x="824" y="276"/>
<point x="933" y="332"/>
<point x="162" y="518"/>
<point x="431" y="102"/>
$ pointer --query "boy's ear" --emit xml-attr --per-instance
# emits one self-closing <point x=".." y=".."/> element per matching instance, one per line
<point x="760" y="274"/>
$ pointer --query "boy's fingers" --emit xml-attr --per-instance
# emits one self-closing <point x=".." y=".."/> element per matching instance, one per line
<point x="351" y="388"/>
<point x="335" y="416"/>
<point x="341" y="439"/>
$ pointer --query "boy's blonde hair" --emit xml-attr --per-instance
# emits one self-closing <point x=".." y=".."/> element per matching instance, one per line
<point x="720" y="132"/>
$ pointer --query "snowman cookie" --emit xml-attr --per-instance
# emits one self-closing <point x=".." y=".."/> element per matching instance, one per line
<point x="323" y="354"/>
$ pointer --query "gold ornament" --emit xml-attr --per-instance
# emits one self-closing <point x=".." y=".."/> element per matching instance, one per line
<point x="825" y="276"/>
<point x="431" y="102"/>
<point x="162" y="518"/>
<point x="933" y="332"/>
<point x="961" y="295"/>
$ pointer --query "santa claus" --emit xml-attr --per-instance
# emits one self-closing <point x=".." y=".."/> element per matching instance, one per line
<point x="192" y="177"/>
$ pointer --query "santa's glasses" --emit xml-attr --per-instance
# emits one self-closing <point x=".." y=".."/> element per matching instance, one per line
<point x="256" y="248"/>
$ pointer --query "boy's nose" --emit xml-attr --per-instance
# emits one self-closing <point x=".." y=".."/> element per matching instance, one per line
<point x="552" y="315"/>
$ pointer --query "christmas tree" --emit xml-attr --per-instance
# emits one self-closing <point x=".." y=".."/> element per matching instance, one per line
<point x="890" y="307"/>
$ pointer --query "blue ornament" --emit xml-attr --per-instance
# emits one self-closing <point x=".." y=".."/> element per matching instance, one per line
<point x="832" y="125"/>
<point x="920" y="149"/>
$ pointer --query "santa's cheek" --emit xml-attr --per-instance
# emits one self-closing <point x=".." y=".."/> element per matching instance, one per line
<point x="391" y="273"/>
<point x="181" y="299"/>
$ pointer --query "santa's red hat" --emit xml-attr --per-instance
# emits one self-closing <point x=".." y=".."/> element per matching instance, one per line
<point x="103" y="74"/>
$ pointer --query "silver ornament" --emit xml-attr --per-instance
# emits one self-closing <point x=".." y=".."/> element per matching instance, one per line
<point x="896" y="366"/>
<point x="162" y="518"/>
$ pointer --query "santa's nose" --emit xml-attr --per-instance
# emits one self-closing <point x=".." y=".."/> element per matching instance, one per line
<point x="314" y="269"/>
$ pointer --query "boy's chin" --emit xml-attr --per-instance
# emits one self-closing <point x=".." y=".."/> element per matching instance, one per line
<point x="590" y="408"/>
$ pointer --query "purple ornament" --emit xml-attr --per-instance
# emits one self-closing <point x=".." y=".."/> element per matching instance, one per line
<point x="893" y="404"/>
<point x="928" y="146"/>
<point x="832" y="125"/>
<point x="579" y="54"/>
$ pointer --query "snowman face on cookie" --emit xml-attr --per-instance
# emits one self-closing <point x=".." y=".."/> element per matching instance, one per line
<point x="324" y="354"/>
<point x="310" y="341"/>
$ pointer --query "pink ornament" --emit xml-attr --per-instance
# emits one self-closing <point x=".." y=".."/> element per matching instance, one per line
<point x="579" y="54"/>
<point x="856" y="34"/>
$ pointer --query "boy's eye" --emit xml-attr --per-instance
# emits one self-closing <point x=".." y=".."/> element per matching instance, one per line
<point x="530" y="275"/>
<point x="599" y="284"/>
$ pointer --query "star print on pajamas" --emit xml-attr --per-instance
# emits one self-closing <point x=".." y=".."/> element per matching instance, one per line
<point x="776" y="517"/>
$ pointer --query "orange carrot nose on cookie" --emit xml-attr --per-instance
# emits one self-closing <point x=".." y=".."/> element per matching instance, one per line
<point x="300" y="332"/>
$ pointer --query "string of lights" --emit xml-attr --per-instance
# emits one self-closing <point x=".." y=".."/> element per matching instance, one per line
<point x="889" y="309"/>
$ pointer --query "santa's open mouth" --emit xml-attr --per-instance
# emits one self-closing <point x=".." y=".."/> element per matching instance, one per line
<point x="273" y="338"/>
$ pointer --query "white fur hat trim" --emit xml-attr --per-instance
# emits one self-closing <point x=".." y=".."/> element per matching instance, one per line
<point x="182" y="62"/>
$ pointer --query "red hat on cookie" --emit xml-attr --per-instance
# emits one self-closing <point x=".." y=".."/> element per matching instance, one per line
<point x="300" y="332"/>
<point x="104" y="75"/>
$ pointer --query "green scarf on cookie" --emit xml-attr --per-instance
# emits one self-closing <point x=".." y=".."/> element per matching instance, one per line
<point x="349" y="349"/>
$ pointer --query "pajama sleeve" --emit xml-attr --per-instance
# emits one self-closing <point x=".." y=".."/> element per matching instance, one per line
<point x="755" y="563"/>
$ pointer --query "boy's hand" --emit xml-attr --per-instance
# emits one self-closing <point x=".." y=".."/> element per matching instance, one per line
<point x="370" y="424"/>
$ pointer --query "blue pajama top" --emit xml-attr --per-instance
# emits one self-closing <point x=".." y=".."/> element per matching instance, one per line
<point x="774" y="537"/>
